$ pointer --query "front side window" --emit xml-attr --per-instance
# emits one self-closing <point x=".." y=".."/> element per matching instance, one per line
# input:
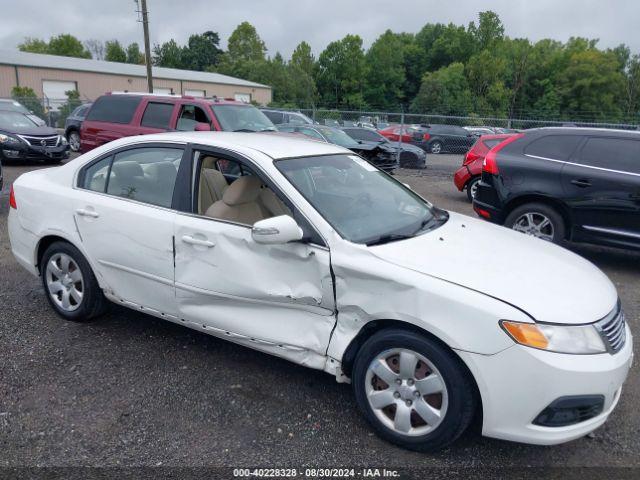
<point x="157" y="115"/>
<point x="145" y="174"/>
<point x="190" y="116"/>
<point x="242" y="118"/>
<point x="613" y="153"/>
<point x="362" y="203"/>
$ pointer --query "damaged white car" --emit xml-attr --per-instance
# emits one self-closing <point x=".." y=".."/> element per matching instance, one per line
<point x="305" y="251"/>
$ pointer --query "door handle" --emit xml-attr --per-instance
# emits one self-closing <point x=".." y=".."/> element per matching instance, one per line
<point x="196" y="241"/>
<point x="581" y="182"/>
<point x="87" y="213"/>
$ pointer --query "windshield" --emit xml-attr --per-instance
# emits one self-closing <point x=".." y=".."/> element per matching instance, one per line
<point x="365" y="135"/>
<point x="362" y="203"/>
<point x="13" y="106"/>
<point x="242" y="118"/>
<point x="338" y="137"/>
<point x="11" y="120"/>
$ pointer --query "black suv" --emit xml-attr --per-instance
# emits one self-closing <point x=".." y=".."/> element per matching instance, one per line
<point x="575" y="184"/>
<point x="446" y="139"/>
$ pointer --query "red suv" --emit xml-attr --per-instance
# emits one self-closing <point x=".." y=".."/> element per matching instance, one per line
<point x="468" y="175"/>
<point x="117" y="115"/>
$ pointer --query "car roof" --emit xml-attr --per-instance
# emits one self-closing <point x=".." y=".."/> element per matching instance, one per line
<point x="210" y="100"/>
<point x="585" y="131"/>
<point x="276" y="145"/>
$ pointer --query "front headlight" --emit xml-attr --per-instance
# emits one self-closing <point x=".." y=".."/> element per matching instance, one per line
<point x="62" y="140"/>
<point x="579" y="339"/>
<point x="8" y="139"/>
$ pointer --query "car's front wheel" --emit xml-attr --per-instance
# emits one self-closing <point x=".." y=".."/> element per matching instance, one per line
<point x="74" y="140"/>
<point x="436" y="147"/>
<point x="413" y="391"/>
<point x="538" y="220"/>
<point x="69" y="283"/>
<point x="472" y="188"/>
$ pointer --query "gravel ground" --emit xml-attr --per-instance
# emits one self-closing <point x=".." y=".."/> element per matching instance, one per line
<point x="130" y="389"/>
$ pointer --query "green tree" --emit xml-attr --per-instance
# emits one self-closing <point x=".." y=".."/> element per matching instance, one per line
<point x="245" y="44"/>
<point x="202" y="51"/>
<point x="67" y="46"/>
<point x="445" y="91"/>
<point x="27" y="97"/>
<point x="114" y="52"/>
<point x="303" y="59"/>
<point x="489" y="30"/>
<point x="134" y="55"/>
<point x="168" y="54"/>
<point x="342" y="71"/>
<point x="34" y="45"/>
<point x="385" y="67"/>
<point x="73" y="101"/>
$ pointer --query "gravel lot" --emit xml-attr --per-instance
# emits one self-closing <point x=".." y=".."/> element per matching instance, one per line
<point x="130" y="389"/>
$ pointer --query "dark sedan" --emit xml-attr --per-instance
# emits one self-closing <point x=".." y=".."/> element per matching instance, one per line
<point x="382" y="156"/>
<point x="411" y="156"/>
<point x="72" y="126"/>
<point x="22" y="139"/>
<point x="446" y="139"/>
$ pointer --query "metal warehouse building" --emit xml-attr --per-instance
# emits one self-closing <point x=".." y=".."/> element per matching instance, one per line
<point x="50" y="76"/>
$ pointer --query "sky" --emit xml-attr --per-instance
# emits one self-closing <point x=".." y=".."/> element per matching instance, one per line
<point x="282" y="24"/>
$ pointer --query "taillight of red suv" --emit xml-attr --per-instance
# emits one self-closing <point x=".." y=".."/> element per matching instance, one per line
<point x="490" y="164"/>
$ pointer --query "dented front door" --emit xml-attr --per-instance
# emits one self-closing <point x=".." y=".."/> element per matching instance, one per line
<point x="277" y="298"/>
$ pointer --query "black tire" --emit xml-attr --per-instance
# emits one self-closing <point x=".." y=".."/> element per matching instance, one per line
<point x="540" y="209"/>
<point x="93" y="302"/>
<point x="435" y="147"/>
<point x="460" y="388"/>
<point x="71" y="136"/>
<point x="470" y="186"/>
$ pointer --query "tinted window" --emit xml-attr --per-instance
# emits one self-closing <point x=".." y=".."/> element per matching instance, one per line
<point x="114" y="108"/>
<point x="95" y="176"/>
<point x="157" y="115"/>
<point x="365" y="135"/>
<point x="493" y="142"/>
<point x="275" y="117"/>
<point x="556" y="147"/>
<point x="614" y="153"/>
<point x="145" y="174"/>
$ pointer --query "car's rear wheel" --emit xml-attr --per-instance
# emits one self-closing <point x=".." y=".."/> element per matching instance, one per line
<point x="436" y="147"/>
<point x="538" y="220"/>
<point x="74" y="140"/>
<point x="69" y="283"/>
<point x="413" y="391"/>
<point x="472" y="188"/>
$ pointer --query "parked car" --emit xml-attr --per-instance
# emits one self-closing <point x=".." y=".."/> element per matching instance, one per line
<point x="565" y="184"/>
<point x="468" y="175"/>
<point x="381" y="155"/>
<point x="397" y="133"/>
<point x="351" y="272"/>
<point x="22" y="139"/>
<point x="478" y="131"/>
<point x="15" y="106"/>
<point x="118" y="115"/>
<point x="72" y="125"/>
<point x="446" y="139"/>
<point x="281" y="117"/>
<point x="1" y="177"/>
<point x="410" y="155"/>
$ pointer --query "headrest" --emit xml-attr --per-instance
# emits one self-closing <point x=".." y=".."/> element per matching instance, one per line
<point x="244" y="190"/>
<point x="163" y="170"/>
<point x="127" y="169"/>
<point x="208" y="161"/>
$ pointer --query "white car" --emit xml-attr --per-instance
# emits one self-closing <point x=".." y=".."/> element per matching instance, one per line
<point x="303" y="250"/>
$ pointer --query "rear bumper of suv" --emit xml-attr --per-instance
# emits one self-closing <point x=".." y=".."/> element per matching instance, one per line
<point x="487" y="203"/>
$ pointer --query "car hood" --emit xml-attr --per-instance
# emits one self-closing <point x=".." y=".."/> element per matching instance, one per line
<point x="546" y="281"/>
<point x="37" y="131"/>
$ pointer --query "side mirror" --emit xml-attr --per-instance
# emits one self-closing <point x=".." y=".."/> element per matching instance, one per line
<point x="276" y="230"/>
<point x="202" y="127"/>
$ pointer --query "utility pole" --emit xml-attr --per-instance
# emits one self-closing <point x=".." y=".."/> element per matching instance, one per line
<point x="147" y="48"/>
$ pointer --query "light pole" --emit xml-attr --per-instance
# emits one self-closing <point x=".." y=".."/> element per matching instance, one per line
<point x="147" y="48"/>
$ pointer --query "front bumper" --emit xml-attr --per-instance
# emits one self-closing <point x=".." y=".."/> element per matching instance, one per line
<point x="520" y="382"/>
<point x="32" y="152"/>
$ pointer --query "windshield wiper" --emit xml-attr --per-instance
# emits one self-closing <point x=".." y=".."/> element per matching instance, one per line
<point x="392" y="237"/>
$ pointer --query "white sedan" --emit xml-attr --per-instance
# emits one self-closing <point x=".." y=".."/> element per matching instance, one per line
<point x="305" y="251"/>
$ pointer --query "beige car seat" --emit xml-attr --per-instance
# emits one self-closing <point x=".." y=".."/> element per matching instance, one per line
<point x="212" y="187"/>
<point x="240" y="202"/>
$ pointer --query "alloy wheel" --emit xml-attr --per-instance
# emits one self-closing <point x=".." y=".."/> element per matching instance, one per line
<point x="74" y="141"/>
<point x="64" y="282"/>
<point x="406" y="392"/>
<point x="436" y="147"/>
<point x="535" y="224"/>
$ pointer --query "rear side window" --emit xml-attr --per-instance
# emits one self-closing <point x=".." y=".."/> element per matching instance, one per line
<point x="555" y="147"/>
<point x="613" y="153"/>
<point x="95" y="176"/>
<point x="492" y="142"/>
<point x="157" y="115"/>
<point x="114" y="108"/>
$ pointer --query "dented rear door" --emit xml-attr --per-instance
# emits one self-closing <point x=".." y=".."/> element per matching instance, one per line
<point x="277" y="298"/>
